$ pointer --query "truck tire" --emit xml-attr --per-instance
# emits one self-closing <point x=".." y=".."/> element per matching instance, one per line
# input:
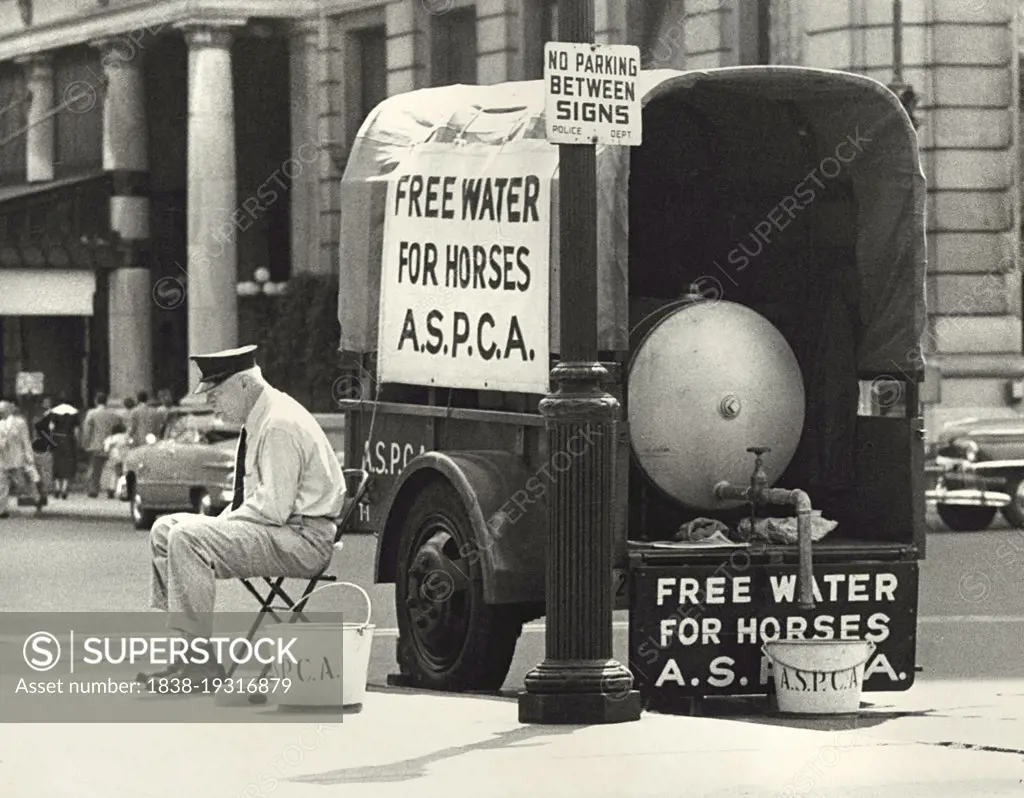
<point x="966" y="519"/>
<point x="448" y="638"/>
<point x="1014" y="511"/>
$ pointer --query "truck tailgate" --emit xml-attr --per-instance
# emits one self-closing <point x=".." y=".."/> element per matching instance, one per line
<point x="698" y="620"/>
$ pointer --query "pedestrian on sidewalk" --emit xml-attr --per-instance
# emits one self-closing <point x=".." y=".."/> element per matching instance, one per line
<point x="23" y="438"/>
<point x="17" y="465"/>
<point x="56" y="433"/>
<point x="115" y="447"/>
<point x="145" y="419"/>
<point x="8" y="458"/>
<point x="99" y="423"/>
<point x="128" y="407"/>
<point x="288" y="491"/>
<point x="166" y="404"/>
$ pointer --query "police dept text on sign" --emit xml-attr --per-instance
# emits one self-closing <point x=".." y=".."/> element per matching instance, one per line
<point x="465" y="272"/>
<point x="591" y="93"/>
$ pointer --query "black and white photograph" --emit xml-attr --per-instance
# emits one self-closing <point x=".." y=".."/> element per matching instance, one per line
<point x="511" y="398"/>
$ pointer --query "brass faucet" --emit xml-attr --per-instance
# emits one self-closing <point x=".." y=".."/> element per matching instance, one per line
<point x="758" y="482"/>
<point x="760" y="494"/>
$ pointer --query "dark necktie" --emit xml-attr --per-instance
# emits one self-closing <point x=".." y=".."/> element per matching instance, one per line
<point x="239" y="496"/>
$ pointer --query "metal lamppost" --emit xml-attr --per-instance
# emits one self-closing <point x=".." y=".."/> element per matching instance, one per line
<point x="578" y="682"/>
<point x="904" y="91"/>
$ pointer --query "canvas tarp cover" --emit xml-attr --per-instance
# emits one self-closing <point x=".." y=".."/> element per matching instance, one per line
<point x="887" y="183"/>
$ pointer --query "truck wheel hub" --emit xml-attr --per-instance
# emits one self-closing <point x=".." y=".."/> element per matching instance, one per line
<point x="431" y="590"/>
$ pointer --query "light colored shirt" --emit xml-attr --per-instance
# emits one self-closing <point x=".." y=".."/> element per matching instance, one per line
<point x="15" y="443"/>
<point x="10" y="451"/>
<point x="290" y="466"/>
<point x="99" y="423"/>
<point x="115" y="445"/>
<point x="145" y="420"/>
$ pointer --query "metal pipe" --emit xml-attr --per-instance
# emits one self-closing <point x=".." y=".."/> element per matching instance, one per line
<point x="897" y="41"/>
<point x="793" y="498"/>
<point x="805" y="578"/>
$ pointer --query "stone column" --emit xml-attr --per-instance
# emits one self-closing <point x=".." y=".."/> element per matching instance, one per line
<point x="126" y="157"/>
<point x="407" y="49"/>
<point x="40" y="118"/>
<point x="212" y="252"/>
<point x="497" y="51"/>
<point x="304" y="46"/>
<point x="787" y="32"/>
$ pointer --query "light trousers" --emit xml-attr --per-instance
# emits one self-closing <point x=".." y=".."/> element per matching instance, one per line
<point x="5" y="489"/>
<point x="191" y="552"/>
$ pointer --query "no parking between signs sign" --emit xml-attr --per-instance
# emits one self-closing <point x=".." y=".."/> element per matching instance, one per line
<point x="591" y="93"/>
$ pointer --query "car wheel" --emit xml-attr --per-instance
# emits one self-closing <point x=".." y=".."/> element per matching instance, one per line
<point x="141" y="517"/>
<point x="1014" y="511"/>
<point x="449" y="638"/>
<point x="966" y="519"/>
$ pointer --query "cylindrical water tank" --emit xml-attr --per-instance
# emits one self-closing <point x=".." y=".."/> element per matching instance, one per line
<point x="707" y="380"/>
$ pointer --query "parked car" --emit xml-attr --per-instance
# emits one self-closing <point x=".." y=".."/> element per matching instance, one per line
<point x="191" y="468"/>
<point x="977" y="469"/>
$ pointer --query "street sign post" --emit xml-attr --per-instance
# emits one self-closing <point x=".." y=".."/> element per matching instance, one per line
<point x="591" y="93"/>
<point x="579" y="682"/>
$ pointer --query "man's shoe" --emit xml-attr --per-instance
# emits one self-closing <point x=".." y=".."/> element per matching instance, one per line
<point x="171" y="671"/>
<point x="188" y="678"/>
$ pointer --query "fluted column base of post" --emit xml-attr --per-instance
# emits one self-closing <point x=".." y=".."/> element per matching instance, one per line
<point x="579" y="682"/>
<point x="579" y="692"/>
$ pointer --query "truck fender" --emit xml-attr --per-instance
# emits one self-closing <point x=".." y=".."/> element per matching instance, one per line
<point x="509" y="519"/>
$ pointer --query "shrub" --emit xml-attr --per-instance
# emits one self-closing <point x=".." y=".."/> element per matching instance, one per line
<point x="300" y="341"/>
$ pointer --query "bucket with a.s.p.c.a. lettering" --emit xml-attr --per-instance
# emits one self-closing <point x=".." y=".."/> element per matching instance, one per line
<point x="331" y="662"/>
<point x="818" y="677"/>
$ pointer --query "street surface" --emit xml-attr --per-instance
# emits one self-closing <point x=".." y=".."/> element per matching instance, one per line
<point x="957" y="732"/>
<point x="972" y="589"/>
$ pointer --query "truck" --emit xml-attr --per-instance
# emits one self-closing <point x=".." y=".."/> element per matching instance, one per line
<point x="761" y="300"/>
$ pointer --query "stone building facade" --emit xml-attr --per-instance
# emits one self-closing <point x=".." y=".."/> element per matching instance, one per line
<point x="151" y="154"/>
<point x="960" y="56"/>
<point x="231" y="93"/>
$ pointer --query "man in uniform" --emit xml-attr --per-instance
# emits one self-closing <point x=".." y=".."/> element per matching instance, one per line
<point x="288" y="491"/>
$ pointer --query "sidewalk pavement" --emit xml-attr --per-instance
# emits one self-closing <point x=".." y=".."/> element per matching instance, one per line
<point x="77" y="505"/>
<point x="905" y="745"/>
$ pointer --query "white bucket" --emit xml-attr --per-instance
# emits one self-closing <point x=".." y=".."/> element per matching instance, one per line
<point x="818" y="677"/>
<point x="333" y="662"/>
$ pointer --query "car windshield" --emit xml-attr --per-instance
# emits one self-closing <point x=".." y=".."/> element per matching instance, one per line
<point x="199" y="428"/>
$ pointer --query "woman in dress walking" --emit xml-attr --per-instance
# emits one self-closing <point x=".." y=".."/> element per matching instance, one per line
<point x="56" y="430"/>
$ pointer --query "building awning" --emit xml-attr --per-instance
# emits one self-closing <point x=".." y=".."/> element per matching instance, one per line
<point x="81" y="254"/>
<point x="47" y="292"/>
<point x="71" y="248"/>
<point x="28" y="190"/>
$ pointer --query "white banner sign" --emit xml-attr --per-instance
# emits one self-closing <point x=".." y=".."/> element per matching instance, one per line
<point x="465" y="276"/>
